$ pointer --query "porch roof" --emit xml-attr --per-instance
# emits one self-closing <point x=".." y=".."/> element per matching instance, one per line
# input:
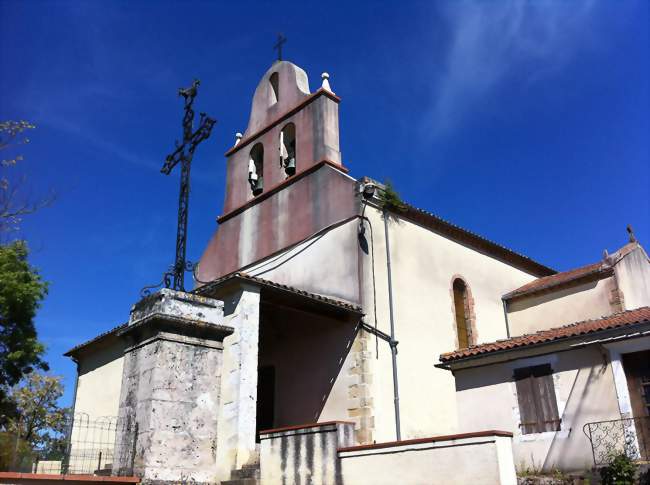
<point x="623" y="320"/>
<point x="278" y="292"/>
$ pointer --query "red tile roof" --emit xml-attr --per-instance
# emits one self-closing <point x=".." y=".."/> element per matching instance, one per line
<point x="601" y="269"/>
<point x="617" y="320"/>
<point x="596" y="270"/>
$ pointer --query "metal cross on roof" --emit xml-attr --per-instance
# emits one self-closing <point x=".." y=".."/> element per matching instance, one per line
<point x="278" y="45"/>
<point x="183" y="154"/>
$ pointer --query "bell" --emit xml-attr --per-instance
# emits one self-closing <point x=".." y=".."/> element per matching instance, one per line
<point x="258" y="187"/>
<point x="290" y="167"/>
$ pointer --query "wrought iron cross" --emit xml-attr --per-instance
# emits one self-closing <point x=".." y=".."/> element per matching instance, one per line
<point x="278" y="45"/>
<point x="183" y="155"/>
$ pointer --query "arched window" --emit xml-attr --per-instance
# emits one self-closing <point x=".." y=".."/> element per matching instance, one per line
<point x="256" y="169"/>
<point x="288" y="149"/>
<point x="462" y="309"/>
<point x="274" y="92"/>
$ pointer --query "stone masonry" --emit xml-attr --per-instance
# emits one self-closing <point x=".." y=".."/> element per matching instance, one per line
<point x="170" y="388"/>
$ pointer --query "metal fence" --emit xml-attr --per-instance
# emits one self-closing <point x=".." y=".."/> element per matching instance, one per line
<point x="630" y="436"/>
<point x="102" y="446"/>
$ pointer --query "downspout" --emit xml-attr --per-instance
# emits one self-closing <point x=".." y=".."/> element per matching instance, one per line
<point x="505" y="314"/>
<point x="393" y="342"/>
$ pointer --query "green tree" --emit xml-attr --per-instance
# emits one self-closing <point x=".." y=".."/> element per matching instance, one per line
<point x="21" y="292"/>
<point x="39" y="423"/>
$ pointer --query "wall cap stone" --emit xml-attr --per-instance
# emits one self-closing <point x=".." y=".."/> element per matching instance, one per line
<point x="417" y="441"/>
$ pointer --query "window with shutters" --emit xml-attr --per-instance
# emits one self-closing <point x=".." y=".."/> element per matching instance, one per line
<point x="536" y="397"/>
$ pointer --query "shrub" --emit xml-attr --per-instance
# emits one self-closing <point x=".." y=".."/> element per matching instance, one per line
<point x="620" y="471"/>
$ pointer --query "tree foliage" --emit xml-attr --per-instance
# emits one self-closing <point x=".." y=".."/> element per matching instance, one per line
<point x="39" y="425"/>
<point x="21" y="292"/>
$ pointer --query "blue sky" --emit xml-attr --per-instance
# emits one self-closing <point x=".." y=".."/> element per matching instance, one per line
<point x="526" y="122"/>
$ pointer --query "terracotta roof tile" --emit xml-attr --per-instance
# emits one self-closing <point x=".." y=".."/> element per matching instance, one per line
<point x="596" y="269"/>
<point x="617" y="320"/>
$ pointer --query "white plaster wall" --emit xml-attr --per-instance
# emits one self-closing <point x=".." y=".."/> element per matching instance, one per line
<point x="585" y="392"/>
<point x="326" y="265"/>
<point x="633" y="274"/>
<point x="237" y="407"/>
<point x="423" y="265"/>
<point x="485" y="460"/>
<point x="100" y="380"/>
<point x="568" y="305"/>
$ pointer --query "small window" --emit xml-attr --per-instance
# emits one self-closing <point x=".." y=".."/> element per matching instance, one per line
<point x="274" y="93"/>
<point x="288" y="149"/>
<point x="462" y="310"/>
<point x="256" y="169"/>
<point x="536" y="397"/>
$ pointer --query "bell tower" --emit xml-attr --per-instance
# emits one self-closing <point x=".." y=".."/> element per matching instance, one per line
<point x="289" y="130"/>
<point x="284" y="175"/>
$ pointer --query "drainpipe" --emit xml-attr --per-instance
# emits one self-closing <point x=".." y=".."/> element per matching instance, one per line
<point x="393" y="342"/>
<point x="505" y="314"/>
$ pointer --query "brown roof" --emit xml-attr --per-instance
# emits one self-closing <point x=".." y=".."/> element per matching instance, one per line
<point x="591" y="271"/>
<point x="474" y="240"/>
<point x="617" y="320"/>
<point x="271" y="284"/>
<point x="101" y="336"/>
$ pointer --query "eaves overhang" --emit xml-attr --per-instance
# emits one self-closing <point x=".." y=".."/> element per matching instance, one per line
<point x="549" y="347"/>
<point x="280" y="294"/>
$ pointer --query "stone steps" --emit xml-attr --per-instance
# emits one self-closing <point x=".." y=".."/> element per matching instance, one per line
<point x="246" y="475"/>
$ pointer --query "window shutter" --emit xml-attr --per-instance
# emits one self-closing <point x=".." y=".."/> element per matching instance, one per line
<point x="527" y="402"/>
<point x="547" y="408"/>
<point x="536" y="397"/>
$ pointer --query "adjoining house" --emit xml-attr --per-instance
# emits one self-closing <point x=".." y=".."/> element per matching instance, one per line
<point x="570" y="394"/>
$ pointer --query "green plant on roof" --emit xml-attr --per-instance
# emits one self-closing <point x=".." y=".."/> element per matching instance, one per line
<point x="390" y="199"/>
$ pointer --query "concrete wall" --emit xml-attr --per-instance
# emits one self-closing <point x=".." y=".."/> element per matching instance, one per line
<point x="585" y="392"/>
<point x="424" y="265"/>
<point x="476" y="460"/>
<point x="633" y="275"/>
<point x="306" y="454"/>
<point x="567" y="305"/>
<point x="100" y="378"/>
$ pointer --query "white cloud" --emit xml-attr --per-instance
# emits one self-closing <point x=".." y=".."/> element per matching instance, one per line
<point x="492" y="40"/>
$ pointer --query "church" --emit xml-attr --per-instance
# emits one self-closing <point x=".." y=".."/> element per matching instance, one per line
<point x="337" y="334"/>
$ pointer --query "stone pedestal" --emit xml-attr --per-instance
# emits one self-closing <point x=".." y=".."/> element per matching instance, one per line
<point x="170" y="392"/>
